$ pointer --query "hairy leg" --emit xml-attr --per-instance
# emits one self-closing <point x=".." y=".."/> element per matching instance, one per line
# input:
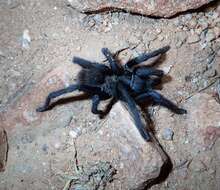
<point x="108" y="107"/>
<point x="88" y="65"/>
<point x="134" y="111"/>
<point x="114" y="66"/>
<point x="159" y="99"/>
<point x="95" y="102"/>
<point x="145" y="72"/>
<point x="55" y="94"/>
<point x="145" y="56"/>
<point x="152" y="82"/>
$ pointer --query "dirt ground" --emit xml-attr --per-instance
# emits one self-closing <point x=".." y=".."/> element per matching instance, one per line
<point x="38" y="36"/>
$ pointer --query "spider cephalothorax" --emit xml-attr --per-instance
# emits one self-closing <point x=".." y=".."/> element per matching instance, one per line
<point x="127" y="83"/>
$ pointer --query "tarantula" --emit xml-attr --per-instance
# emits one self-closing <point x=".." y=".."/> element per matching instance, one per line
<point x="128" y="83"/>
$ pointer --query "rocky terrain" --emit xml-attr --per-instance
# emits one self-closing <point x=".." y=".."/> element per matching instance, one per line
<point x="70" y="148"/>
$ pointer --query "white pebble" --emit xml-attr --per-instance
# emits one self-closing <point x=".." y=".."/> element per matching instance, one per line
<point x="57" y="145"/>
<point x="167" y="134"/>
<point x="166" y="70"/>
<point x="26" y="39"/>
<point x="73" y="134"/>
<point x="100" y="132"/>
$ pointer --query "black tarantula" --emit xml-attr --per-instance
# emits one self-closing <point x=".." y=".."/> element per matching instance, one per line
<point x="127" y="83"/>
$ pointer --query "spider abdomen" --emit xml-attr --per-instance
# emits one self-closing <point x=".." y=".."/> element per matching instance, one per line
<point x="91" y="77"/>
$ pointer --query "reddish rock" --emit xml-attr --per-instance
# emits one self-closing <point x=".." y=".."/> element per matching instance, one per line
<point x="23" y="112"/>
<point x="195" y="142"/>
<point x="203" y="121"/>
<point x="211" y="134"/>
<point x="160" y="8"/>
<point x="119" y="142"/>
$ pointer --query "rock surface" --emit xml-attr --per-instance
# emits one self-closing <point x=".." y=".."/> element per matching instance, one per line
<point x="41" y="145"/>
<point x="196" y="141"/>
<point x="160" y="8"/>
<point x="117" y="141"/>
<point x="23" y="113"/>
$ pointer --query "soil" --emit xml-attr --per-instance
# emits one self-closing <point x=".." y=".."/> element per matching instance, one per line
<point x="38" y="36"/>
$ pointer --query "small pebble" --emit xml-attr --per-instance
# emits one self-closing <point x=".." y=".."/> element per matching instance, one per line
<point x="160" y="37"/>
<point x="98" y="18"/>
<point x="148" y="37"/>
<point x="188" y="16"/>
<point x="167" y="134"/>
<point x="210" y="36"/>
<point x="45" y="147"/>
<point x="192" y="23"/>
<point x="167" y="69"/>
<point x="26" y="39"/>
<point x="193" y="38"/>
<point x="180" y="39"/>
<point x="198" y="31"/>
<point x="78" y="48"/>
<point x="57" y="145"/>
<point x="91" y="23"/>
<point x="158" y="30"/>
<point x="27" y="139"/>
<point x="30" y="116"/>
<point x="203" y="23"/>
<point x="108" y="28"/>
<point x="73" y="134"/>
<point x="215" y="15"/>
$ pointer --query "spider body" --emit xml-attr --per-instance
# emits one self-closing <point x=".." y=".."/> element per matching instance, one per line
<point x="129" y="84"/>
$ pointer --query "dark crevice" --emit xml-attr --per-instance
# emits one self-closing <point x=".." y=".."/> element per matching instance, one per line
<point x="167" y="166"/>
<point x="117" y="10"/>
<point x="203" y="8"/>
<point x="165" y="170"/>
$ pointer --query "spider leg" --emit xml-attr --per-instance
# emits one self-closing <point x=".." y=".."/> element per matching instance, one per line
<point x="134" y="111"/>
<point x="144" y="72"/>
<point x="109" y="107"/>
<point x="55" y="94"/>
<point x="113" y="64"/>
<point x="159" y="99"/>
<point x="153" y="82"/>
<point x="137" y="84"/>
<point x="145" y="56"/>
<point x="71" y="88"/>
<point x="89" y="65"/>
<point x="95" y="103"/>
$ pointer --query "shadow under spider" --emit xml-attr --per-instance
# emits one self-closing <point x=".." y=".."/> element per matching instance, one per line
<point x="167" y="166"/>
<point x="80" y="97"/>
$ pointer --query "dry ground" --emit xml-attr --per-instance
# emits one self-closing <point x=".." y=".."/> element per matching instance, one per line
<point x="39" y="156"/>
